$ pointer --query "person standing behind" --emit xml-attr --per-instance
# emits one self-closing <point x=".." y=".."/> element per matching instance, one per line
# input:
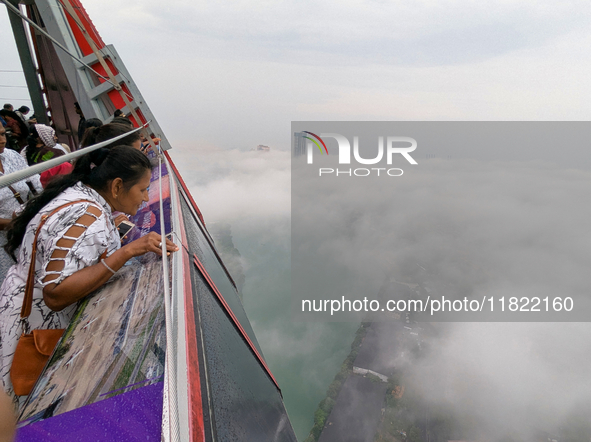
<point x="91" y="122"/>
<point x="17" y="130"/>
<point x="81" y="126"/>
<point x="42" y="145"/>
<point x="22" y="112"/>
<point x="12" y="197"/>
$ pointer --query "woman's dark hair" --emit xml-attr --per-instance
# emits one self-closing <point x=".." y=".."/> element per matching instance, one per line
<point x="8" y="113"/>
<point x="32" y="144"/>
<point x="96" y="169"/>
<point x="123" y="120"/>
<point x="15" y="117"/>
<point x="105" y="132"/>
<point x="92" y="122"/>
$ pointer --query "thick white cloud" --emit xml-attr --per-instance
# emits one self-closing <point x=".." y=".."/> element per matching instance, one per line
<point x="480" y="227"/>
<point x="511" y="378"/>
<point x="234" y="185"/>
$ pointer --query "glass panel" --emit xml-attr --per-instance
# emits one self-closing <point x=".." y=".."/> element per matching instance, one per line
<point x="246" y="403"/>
<point x="199" y="245"/>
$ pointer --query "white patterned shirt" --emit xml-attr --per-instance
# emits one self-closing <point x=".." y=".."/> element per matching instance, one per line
<point x="12" y="162"/>
<point x="101" y="235"/>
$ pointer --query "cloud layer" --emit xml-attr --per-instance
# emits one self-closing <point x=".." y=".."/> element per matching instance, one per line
<point x="466" y="228"/>
<point x="476" y="227"/>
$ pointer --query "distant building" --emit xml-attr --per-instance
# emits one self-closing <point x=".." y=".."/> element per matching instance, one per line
<point x="299" y="144"/>
<point x="263" y="148"/>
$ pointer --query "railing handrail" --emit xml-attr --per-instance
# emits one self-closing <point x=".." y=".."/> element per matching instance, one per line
<point x="19" y="175"/>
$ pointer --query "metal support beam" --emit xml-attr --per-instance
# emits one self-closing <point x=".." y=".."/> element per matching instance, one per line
<point x="29" y="69"/>
<point x="103" y="88"/>
<point x="78" y="78"/>
<point x="138" y="98"/>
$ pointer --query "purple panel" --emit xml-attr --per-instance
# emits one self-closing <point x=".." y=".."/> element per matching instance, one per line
<point x="131" y="416"/>
<point x="147" y="219"/>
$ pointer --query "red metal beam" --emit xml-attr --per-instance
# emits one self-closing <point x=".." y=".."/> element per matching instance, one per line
<point x="196" y="425"/>
<point x="230" y="313"/>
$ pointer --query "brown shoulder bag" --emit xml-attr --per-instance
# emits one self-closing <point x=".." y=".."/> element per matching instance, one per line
<point x="34" y="349"/>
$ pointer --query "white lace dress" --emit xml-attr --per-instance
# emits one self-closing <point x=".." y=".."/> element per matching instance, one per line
<point x="12" y="162"/>
<point x="101" y="235"/>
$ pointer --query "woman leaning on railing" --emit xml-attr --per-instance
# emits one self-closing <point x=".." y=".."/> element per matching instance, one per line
<point x="78" y="247"/>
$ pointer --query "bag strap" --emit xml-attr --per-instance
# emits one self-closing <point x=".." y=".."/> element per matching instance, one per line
<point x="17" y="195"/>
<point x="28" y="298"/>
<point x="32" y="188"/>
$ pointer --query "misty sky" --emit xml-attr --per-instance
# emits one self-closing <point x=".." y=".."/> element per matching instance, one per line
<point x="223" y="77"/>
<point x="234" y="74"/>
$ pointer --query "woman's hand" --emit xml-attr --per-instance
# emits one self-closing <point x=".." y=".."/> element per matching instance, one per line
<point x="149" y="243"/>
<point x="120" y="218"/>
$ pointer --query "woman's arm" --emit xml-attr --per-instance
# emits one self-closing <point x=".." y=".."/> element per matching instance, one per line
<point x="4" y="222"/>
<point x="7" y="418"/>
<point x="85" y="281"/>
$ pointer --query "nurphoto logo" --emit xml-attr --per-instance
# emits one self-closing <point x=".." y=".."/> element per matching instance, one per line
<point x="394" y="146"/>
